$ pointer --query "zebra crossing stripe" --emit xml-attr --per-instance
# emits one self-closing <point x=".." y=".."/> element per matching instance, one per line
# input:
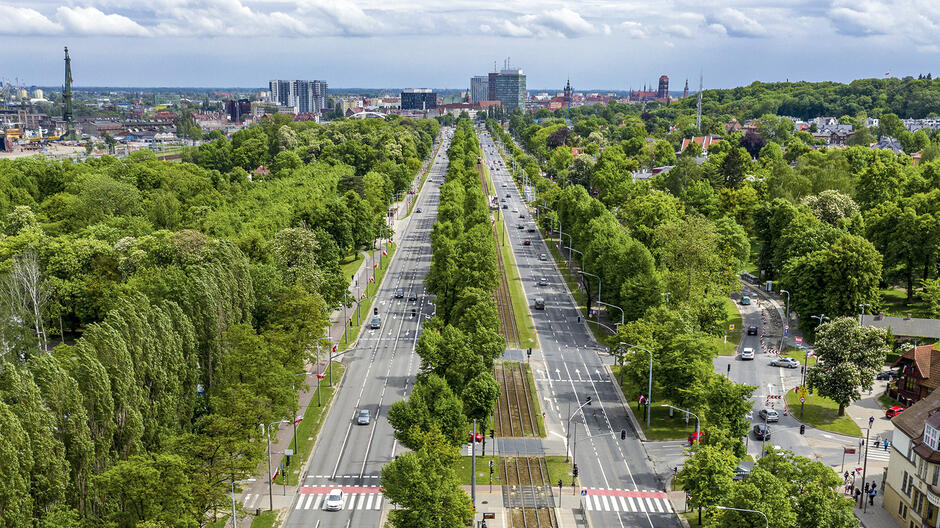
<point x="632" y="506"/>
<point x="650" y="502"/>
<point x="362" y="500"/>
<point x="316" y="503"/>
<point x="623" y="503"/>
<point x="639" y="504"/>
<point x="604" y="500"/>
<point x="667" y="506"/>
<point x="378" y="501"/>
<point x="369" y="502"/>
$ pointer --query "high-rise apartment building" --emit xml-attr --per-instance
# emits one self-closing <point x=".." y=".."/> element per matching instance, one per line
<point x="238" y="110"/>
<point x="306" y="97"/>
<point x="507" y="87"/>
<point x="479" y="88"/>
<point x="418" y="99"/>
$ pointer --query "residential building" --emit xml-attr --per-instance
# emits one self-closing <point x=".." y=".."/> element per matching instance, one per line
<point x="304" y="96"/>
<point x="238" y="110"/>
<point x="703" y="141"/>
<point x="912" y="482"/>
<point x="479" y="88"/>
<point x="889" y="143"/>
<point x="418" y="99"/>
<point x="508" y="87"/>
<point x="919" y="370"/>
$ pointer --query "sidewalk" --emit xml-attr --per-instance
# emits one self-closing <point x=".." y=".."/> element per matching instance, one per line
<point x="280" y="441"/>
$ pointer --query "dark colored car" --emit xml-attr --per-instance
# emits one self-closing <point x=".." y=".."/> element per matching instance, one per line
<point x="761" y="432"/>
<point x="399" y="293"/>
<point x="520" y="226"/>
<point x="894" y="411"/>
<point x="886" y="375"/>
<point x="412" y="296"/>
<point x="522" y="216"/>
<point x="531" y="229"/>
<point x="418" y="210"/>
<point x="526" y="242"/>
<point x="752" y="330"/>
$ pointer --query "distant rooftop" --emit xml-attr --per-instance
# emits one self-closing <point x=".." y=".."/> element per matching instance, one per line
<point x="902" y="326"/>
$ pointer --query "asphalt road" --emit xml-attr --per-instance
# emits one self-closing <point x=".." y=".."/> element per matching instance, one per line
<point x="621" y="488"/>
<point x="380" y="370"/>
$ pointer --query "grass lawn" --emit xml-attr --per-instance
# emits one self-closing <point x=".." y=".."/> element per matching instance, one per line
<point x="730" y="347"/>
<point x="520" y="306"/>
<point x="822" y="413"/>
<point x="558" y="469"/>
<point x="799" y="355"/>
<point x="218" y="523"/>
<point x="309" y="427"/>
<point x="893" y="303"/>
<point x="662" y="426"/>
<point x="365" y="311"/>
<point x="483" y="469"/>
<point x="887" y="401"/>
<point x="265" y="520"/>
<point x="350" y="265"/>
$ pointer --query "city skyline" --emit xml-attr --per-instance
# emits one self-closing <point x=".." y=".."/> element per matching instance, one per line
<point x="600" y="45"/>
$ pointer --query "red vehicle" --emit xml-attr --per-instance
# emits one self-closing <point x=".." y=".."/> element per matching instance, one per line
<point x="526" y="242"/>
<point x="894" y="411"/>
<point x="695" y="437"/>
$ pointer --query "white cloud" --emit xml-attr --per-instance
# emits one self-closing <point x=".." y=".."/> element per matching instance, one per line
<point x="565" y="22"/>
<point x="737" y="24"/>
<point x="91" y="21"/>
<point x="634" y="30"/>
<point x="678" y="30"/>
<point x="25" y="21"/>
<point x="506" y="28"/>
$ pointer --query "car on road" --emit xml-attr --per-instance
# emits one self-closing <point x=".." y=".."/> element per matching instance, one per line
<point x="695" y="437"/>
<point x="522" y="216"/>
<point x="747" y="353"/>
<point x="334" y="501"/>
<point x="786" y="362"/>
<point x="532" y="229"/>
<point x="745" y="300"/>
<point x="520" y="226"/>
<point x="752" y="330"/>
<point x="507" y="195"/>
<point x="526" y="242"/>
<point x="376" y="323"/>
<point x="539" y="303"/>
<point x="399" y="293"/>
<point x="886" y="375"/>
<point x="543" y="281"/>
<point x="762" y="432"/>
<point x="412" y="296"/>
<point x="769" y="415"/>
<point x="363" y="418"/>
<point x="505" y="206"/>
<point x="418" y="210"/>
<point x="543" y="256"/>
<point x="894" y="411"/>
<point x="515" y="210"/>
<point x="502" y="199"/>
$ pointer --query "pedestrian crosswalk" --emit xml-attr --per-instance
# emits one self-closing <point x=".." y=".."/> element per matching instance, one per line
<point x="626" y="501"/>
<point x="354" y="497"/>
<point x="879" y="454"/>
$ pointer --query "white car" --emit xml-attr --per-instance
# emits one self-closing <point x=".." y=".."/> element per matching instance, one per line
<point x="334" y="501"/>
<point x="787" y="362"/>
<point x="769" y="415"/>
<point x="747" y="353"/>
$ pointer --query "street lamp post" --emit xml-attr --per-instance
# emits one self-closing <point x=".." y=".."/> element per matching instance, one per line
<point x="786" y="310"/>
<point x="599" y="283"/>
<point x="329" y="365"/>
<point x="613" y="306"/>
<point x="649" y="388"/>
<point x="698" y="424"/>
<point x="766" y="521"/>
<point x="666" y="294"/>
<point x="266" y="431"/>
<point x="862" y="315"/>
<point x="234" y="512"/>
<point x="568" y="427"/>
<point x="871" y="421"/>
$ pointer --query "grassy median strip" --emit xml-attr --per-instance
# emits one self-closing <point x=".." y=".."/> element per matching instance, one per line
<point x="365" y="310"/>
<point x="483" y="468"/>
<point x="534" y="398"/>
<point x="520" y="306"/>
<point x="309" y="427"/>
<point x="822" y="413"/>
<point x="662" y="426"/>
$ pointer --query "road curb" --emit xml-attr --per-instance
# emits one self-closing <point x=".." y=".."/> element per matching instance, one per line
<point x="623" y="401"/>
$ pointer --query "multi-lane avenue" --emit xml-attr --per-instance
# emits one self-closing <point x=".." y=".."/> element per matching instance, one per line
<point x="380" y="370"/>
<point x="619" y="486"/>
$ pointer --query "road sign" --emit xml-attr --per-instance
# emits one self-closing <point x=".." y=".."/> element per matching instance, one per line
<point x="786" y="331"/>
<point x="731" y="328"/>
<point x="798" y="339"/>
<point x="802" y="399"/>
<point x="319" y="376"/>
<point x="849" y="450"/>
<point x="584" y="493"/>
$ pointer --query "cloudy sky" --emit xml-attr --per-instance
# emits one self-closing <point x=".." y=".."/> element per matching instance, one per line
<point x="612" y="44"/>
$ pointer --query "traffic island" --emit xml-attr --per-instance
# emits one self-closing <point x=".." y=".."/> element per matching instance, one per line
<point x="821" y="413"/>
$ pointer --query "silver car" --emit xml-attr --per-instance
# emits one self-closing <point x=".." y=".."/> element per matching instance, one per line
<point x="769" y="415"/>
<point x="364" y="417"/>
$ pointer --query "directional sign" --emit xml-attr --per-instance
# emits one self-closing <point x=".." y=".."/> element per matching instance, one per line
<point x="731" y="328"/>
<point x="802" y="399"/>
<point x="798" y="339"/>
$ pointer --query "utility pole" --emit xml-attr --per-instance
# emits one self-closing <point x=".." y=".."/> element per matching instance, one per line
<point x="698" y="105"/>
<point x="871" y="421"/>
<point x="473" y="467"/>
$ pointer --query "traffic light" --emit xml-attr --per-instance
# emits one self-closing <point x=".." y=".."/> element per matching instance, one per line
<point x="529" y="352"/>
<point x="492" y="433"/>
<point x="375" y="310"/>
<point x="575" y="470"/>
<point x="623" y="434"/>
<point x="802" y="429"/>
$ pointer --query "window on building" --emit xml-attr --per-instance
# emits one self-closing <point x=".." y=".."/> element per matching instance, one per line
<point x="936" y="475"/>
<point x="904" y="480"/>
<point x="922" y="468"/>
<point x="931" y="436"/>
<point x="902" y="510"/>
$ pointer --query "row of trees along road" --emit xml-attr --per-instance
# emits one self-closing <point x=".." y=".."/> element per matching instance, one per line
<point x="155" y="313"/>
<point x="457" y="347"/>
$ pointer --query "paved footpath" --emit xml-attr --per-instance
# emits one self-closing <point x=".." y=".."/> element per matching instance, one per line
<point x="255" y="496"/>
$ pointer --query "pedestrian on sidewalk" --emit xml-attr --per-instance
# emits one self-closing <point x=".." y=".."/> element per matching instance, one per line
<point x="871" y="496"/>
<point x="886" y="444"/>
<point x="867" y="487"/>
<point x="858" y="493"/>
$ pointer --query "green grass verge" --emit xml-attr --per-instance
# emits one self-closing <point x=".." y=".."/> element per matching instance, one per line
<point x="534" y="398"/>
<point x="309" y="427"/>
<point x="729" y="346"/>
<point x="558" y="469"/>
<point x="265" y="520"/>
<point x="218" y="523"/>
<point x="351" y="265"/>
<point x="520" y="306"/>
<point x="662" y="426"/>
<point x="887" y="401"/>
<point x="365" y="311"/>
<point x="483" y="469"/>
<point x="799" y="355"/>
<point x="894" y="303"/>
<point x="822" y="413"/>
